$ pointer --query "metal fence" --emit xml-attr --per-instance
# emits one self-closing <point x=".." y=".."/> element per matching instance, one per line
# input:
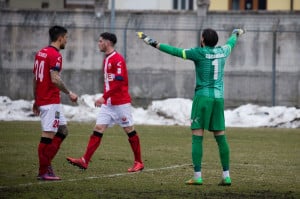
<point x="263" y="68"/>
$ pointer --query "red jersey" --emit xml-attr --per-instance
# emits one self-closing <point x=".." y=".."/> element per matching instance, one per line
<point x="46" y="60"/>
<point x="115" y="90"/>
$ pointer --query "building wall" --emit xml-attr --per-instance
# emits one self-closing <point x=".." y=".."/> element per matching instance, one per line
<point x="215" y="5"/>
<point x="36" y="4"/>
<point x="145" y="5"/>
<point x="279" y="5"/>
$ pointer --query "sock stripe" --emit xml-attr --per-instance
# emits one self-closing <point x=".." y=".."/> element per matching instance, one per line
<point x="132" y="133"/>
<point x="98" y="134"/>
<point x="46" y="140"/>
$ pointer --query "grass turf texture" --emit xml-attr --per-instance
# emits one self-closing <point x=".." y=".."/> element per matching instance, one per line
<point x="265" y="163"/>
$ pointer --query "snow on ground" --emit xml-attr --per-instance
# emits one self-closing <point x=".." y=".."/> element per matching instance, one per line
<point x="172" y="111"/>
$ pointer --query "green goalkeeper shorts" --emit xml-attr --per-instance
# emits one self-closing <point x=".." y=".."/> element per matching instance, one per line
<point x="208" y="113"/>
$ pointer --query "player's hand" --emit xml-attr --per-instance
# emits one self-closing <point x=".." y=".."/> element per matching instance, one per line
<point x="238" y="31"/>
<point x="73" y="96"/>
<point x="99" y="102"/>
<point x="148" y="40"/>
<point x="35" y="109"/>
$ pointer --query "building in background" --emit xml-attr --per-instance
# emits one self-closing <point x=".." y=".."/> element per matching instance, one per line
<point x="164" y="5"/>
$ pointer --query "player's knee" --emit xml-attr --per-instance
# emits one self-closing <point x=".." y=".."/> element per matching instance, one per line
<point x="128" y="129"/>
<point x="63" y="130"/>
<point x="100" y="128"/>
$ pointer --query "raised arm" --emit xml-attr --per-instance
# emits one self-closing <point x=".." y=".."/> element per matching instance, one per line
<point x="178" y="52"/>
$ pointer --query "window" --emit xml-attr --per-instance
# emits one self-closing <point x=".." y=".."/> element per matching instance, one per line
<point x="183" y="4"/>
<point x="247" y="4"/>
<point x="79" y="3"/>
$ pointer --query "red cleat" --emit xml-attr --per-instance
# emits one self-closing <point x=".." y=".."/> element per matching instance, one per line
<point x="48" y="177"/>
<point x="78" y="162"/>
<point x="137" y="166"/>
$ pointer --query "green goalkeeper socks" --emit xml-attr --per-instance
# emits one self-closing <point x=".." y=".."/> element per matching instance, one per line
<point x="197" y="152"/>
<point x="223" y="151"/>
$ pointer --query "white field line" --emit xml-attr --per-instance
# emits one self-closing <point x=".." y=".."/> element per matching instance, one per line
<point x="97" y="177"/>
<point x="124" y="174"/>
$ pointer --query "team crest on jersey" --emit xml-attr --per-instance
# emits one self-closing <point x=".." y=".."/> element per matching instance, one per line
<point x="57" y="115"/>
<point x="119" y="64"/>
<point x="119" y="71"/>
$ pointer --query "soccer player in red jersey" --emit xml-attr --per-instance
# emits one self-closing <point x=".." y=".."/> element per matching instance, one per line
<point x="115" y="105"/>
<point x="47" y="85"/>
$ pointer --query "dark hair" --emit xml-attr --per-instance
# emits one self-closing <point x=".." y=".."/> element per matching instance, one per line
<point x="210" y="37"/>
<point x="109" y="36"/>
<point x="55" y="32"/>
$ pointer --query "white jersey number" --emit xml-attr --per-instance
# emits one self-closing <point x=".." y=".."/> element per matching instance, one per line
<point x="39" y="70"/>
<point x="215" y="63"/>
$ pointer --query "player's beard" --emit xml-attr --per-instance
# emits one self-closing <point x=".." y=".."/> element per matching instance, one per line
<point x="62" y="46"/>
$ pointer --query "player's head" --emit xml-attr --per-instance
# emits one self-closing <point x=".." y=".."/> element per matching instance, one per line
<point x="58" y="34"/>
<point x="209" y="38"/>
<point x="107" y="41"/>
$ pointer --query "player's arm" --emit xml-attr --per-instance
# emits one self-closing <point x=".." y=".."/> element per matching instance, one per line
<point x="232" y="40"/>
<point x="178" y="52"/>
<point x="56" y="79"/>
<point x="35" y="108"/>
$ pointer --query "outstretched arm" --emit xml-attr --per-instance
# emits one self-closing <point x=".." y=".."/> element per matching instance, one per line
<point x="231" y="41"/>
<point x="178" y="52"/>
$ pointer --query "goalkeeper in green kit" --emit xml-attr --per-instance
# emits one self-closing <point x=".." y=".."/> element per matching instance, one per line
<point x="208" y="103"/>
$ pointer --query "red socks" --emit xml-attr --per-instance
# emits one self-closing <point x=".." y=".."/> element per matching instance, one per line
<point x="44" y="161"/>
<point x="93" y="144"/>
<point x="47" y="150"/>
<point x="135" y="145"/>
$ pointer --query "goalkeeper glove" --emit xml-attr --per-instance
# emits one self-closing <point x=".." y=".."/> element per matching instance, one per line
<point x="238" y="31"/>
<point x="147" y="39"/>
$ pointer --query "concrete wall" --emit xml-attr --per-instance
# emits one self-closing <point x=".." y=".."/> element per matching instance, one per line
<point x="272" y="39"/>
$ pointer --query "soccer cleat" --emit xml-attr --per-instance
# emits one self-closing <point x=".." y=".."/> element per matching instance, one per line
<point x="225" y="182"/>
<point x="137" y="166"/>
<point x="50" y="171"/>
<point x="47" y="177"/>
<point x="194" y="181"/>
<point x="78" y="162"/>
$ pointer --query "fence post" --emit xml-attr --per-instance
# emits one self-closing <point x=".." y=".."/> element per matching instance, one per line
<point x="275" y="30"/>
<point x="274" y="68"/>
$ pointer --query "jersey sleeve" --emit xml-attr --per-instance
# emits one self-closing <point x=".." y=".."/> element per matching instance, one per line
<point x="189" y="54"/>
<point x="178" y="52"/>
<point x="55" y="62"/>
<point x="230" y="44"/>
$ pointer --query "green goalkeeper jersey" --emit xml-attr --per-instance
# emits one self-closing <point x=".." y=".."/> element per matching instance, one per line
<point x="209" y="65"/>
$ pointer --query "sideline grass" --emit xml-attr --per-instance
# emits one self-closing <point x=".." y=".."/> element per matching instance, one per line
<point x="265" y="163"/>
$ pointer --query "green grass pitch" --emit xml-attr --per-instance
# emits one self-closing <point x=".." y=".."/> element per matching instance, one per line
<point x="265" y="163"/>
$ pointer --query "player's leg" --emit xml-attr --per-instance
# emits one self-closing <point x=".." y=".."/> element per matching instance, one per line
<point x="197" y="151"/>
<point x="218" y="127"/>
<point x="200" y="115"/>
<point x="224" y="153"/>
<point x="49" y="120"/>
<point x="104" y="119"/>
<point x="134" y="140"/>
<point x="123" y="117"/>
<point x="57" y="140"/>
